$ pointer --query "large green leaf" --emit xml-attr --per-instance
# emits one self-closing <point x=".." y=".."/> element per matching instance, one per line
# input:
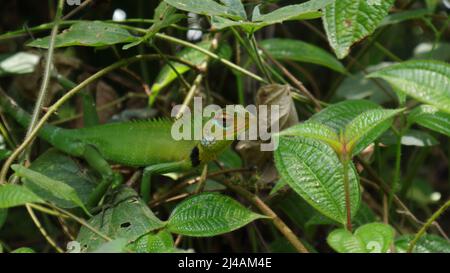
<point x="295" y="50"/>
<point x="367" y="127"/>
<point x="315" y="172"/>
<point x="95" y="34"/>
<point x="427" y="244"/>
<point x="209" y="214"/>
<point x="425" y="80"/>
<point x="65" y="169"/>
<point x="369" y="238"/>
<point x="337" y="116"/>
<point x="316" y="131"/>
<point x="57" y="188"/>
<point x="15" y="195"/>
<point x="165" y="15"/>
<point x="430" y="117"/>
<point x="349" y="21"/>
<point x="307" y="10"/>
<point x="128" y="217"/>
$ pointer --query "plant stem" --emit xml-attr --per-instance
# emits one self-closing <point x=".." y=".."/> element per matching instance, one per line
<point x="348" y="207"/>
<point x="398" y="157"/>
<point x="47" y="72"/>
<point x="42" y="230"/>
<point x="210" y="54"/>
<point x="279" y="224"/>
<point x="425" y="227"/>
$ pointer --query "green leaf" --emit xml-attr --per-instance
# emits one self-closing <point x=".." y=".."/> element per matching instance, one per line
<point x="349" y="21"/>
<point x="337" y="116"/>
<point x="430" y="117"/>
<point x="162" y="242"/>
<point x="58" y="188"/>
<point x="95" y="34"/>
<point x="24" y="250"/>
<point x="315" y="172"/>
<point x="425" y="80"/>
<point x="428" y="243"/>
<point x="209" y="214"/>
<point x="316" y="131"/>
<point x="115" y="246"/>
<point x="63" y="168"/>
<point x="15" y="195"/>
<point x="165" y="16"/>
<point x="369" y="238"/>
<point x="295" y="50"/>
<point x="204" y="7"/>
<point x="167" y="75"/>
<point x="307" y="10"/>
<point x="367" y="127"/>
<point x="127" y="216"/>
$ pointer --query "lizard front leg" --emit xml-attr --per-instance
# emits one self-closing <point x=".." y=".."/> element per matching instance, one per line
<point x="161" y="168"/>
<point x="98" y="163"/>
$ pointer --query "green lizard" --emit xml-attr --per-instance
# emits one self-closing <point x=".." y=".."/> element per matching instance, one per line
<point x="146" y="143"/>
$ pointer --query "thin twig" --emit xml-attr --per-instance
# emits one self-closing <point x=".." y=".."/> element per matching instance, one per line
<point x="42" y="230"/>
<point x="429" y="222"/>
<point x="47" y="72"/>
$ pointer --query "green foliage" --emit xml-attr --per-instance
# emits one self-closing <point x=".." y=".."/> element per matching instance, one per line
<point x="287" y="49"/>
<point x="128" y="218"/>
<point x="364" y="127"/>
<point x="15" y="195"/>
<point x="426" y="81"/>
<point x="370" y="238"/>
<point x="65" y="170"/>
<point x="165" y="16"/>
<point x="430" y="117"/>
<point x="314" y="171"/>
<point x="95" y="34"/>
<point x="348" y="21"/>
<point x="427" y="244"/>
<point x="57" y="188"/>
<point x="232" y="13"/>
<point x="209" y="214"/>
<point x="24" y="250"/>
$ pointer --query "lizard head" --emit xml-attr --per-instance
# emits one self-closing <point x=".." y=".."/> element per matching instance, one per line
<point x="220" y="131"/>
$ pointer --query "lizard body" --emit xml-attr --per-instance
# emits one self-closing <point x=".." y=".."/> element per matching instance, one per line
<point x="146" y="143"/>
